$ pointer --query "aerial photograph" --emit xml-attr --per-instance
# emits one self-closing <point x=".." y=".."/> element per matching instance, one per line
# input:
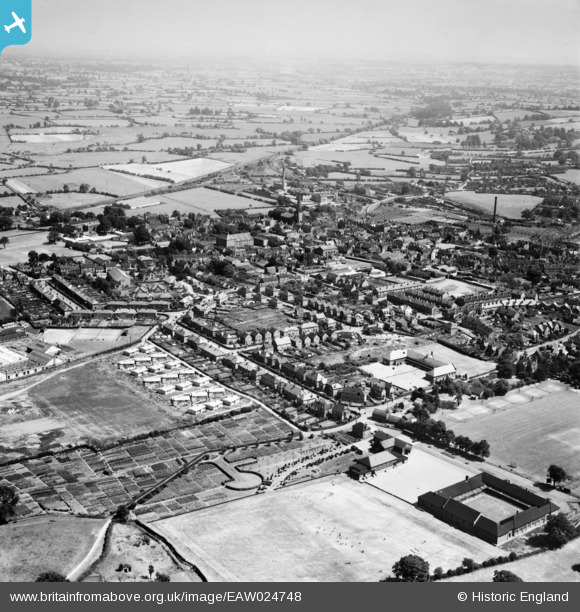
<point x="290" y="291"/>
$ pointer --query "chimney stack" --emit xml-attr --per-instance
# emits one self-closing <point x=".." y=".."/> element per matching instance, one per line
<point x="494" y="210"/>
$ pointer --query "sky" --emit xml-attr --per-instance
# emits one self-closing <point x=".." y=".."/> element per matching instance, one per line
<point x="486" y="31"/>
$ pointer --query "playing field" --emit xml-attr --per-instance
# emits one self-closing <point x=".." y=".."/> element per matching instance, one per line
<point x="32" y="546"/>
<point x="94" y="404"/>
<point x="91" y="340"/>
<point x="534" y="427"/>
<point x="332" y="529"/>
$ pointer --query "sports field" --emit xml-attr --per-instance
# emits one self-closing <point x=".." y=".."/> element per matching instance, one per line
<point x="533" y="427"/>
<point x="32" y="546"/>
<point x="93" y="403"/>
<point x="333" y="529"/>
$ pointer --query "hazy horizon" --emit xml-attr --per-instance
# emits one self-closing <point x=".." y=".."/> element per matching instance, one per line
<point x="521" y="32"/>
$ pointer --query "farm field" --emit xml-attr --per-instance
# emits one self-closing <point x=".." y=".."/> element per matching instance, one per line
<point x="508" y="205"/>
<point x="176" y="172"/>
<point x="37" y="545"/>
<point x="71" y="201"/>
<point x="572" y="175"/>
<point x="550" y="566"/>
<point x="102" y="180"/>
<point x="332" y="529"/>
<point x="132" y="547"/>
<point x="199" y="200"/>
<point x="45" y="138"/>
<point x="99" y="158"/>
<point x="533" y="426"/>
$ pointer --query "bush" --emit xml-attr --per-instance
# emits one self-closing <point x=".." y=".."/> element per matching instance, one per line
<point x="513" y="556"/>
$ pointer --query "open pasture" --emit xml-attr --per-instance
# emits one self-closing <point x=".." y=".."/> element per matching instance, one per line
<point x="102" y="180"/>
<point x="71" y="201"/>
<point x="331" y="529"/>
<point x="508" y="205"/>
<point x="533" y="426"/>
<point x="37" y="545"/>
<point x="199" y="200"/>
<point x="550" y="566"/>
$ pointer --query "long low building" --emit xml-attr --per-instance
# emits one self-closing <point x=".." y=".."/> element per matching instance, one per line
<point x="490" y="508"/>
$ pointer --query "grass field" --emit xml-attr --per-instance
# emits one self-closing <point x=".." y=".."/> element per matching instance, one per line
<point x="91" y="340"/>
<point x="33" y="546"/>
<point x="201" y="200"/>
<point x="21" y="243"/>
<point x="332" y="529"/>
<point x="534" y="427"/>
<point x="551" y="566"/>
<point x="177" y="172"/>
<point x="102" y="180"/>
<point x="508" y="205"/>
<point x="92" y="403"/>
<point x="71" y="201"/>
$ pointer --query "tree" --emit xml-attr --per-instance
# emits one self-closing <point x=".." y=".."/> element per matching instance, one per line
<point x="557" y="474"/>
<point x="141" y="235"/>
<point x="160" y="577"/>
<point x="4" y="241"/>
<point x="8" y="501"/>
<point x="122" y="514"/>
<point x="51" y="576"/>
<point x="53" y="237"/>
<point x="505" y="576"/>
<point x="411" y="568"/>
<point x="32" y="257"/>
<point x="151" y="569"/>
<point x="505" y="369"/>
<point x="559" y="530"/>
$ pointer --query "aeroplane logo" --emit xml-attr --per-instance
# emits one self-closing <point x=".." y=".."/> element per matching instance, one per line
<point x="15" y="22"/>
<point x="18" y="23"/>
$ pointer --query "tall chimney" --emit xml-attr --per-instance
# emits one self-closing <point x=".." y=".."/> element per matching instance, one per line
<point x="494" y="210"/>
